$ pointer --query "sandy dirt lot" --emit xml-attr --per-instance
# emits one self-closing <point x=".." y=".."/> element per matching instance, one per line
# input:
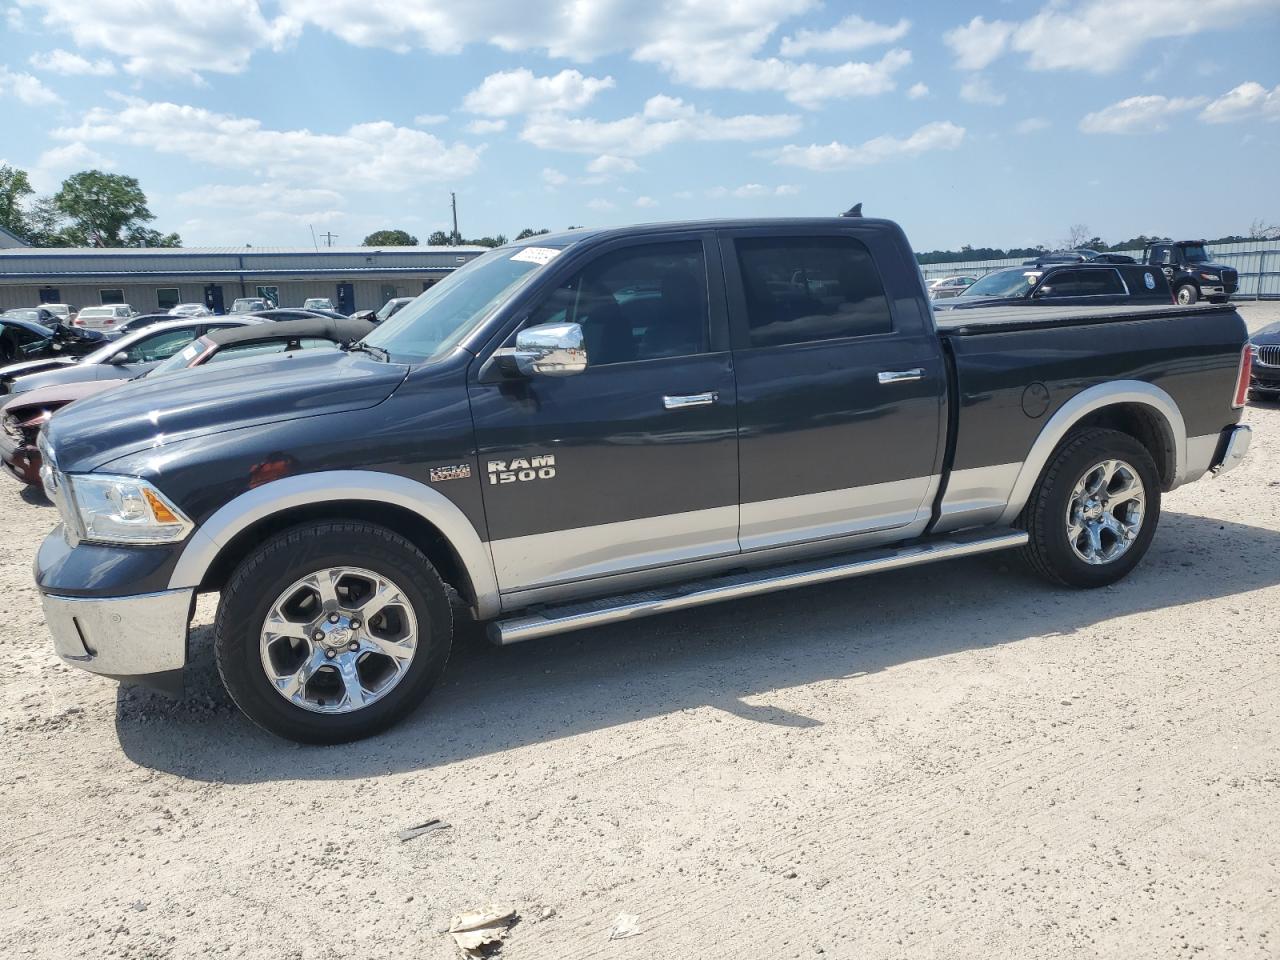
<point x="956" y="761"/>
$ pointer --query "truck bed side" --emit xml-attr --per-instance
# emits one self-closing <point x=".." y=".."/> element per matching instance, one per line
<point x="1022" y="378"/>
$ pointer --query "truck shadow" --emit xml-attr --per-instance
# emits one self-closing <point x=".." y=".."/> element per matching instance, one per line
<point x="496" y="699"/>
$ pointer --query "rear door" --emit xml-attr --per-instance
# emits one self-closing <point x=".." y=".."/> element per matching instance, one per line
<point x="841" y="384"/>
<point x="632" y="463"/>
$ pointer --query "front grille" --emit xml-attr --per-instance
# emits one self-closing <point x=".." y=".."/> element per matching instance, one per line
<point x="1269" y="354"/>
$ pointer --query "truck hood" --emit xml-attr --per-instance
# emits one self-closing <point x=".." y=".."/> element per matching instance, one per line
<point x="150" y="413"/>
<point x="1268" y="335"/>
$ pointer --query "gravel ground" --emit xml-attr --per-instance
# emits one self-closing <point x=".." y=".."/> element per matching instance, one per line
<point x="955" y="761"/>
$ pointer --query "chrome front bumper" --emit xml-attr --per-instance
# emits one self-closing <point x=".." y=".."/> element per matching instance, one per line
<point x="121" y="637"/>
<point x="1233" y="451"/>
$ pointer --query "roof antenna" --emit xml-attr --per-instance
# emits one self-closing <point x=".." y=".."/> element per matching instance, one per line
<point x="854" y="211"/>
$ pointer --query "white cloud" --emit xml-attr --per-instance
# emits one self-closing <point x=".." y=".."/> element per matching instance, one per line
<point x="609" y="165"/>
<point x="482" y="127"/>
<point x="663" y="121"/>
<point x="257" y="196"/>
<point x="918" y="90"/>
<point x="750" y="190"/>
<point x="1099" y="36"/>
<point x="57" y="163"/>
<point x="168" y="37"/>
<point x="851" y="33"/>
<point x="1148" y="114"/>
<point x="26" y="89"/>
<point x="940" y="135"/>
<point x="645" y="202"/>
<point x="553" y="177"/>
<point x="71" y="64"/>
<point x="430" y="119"/>
<point x="979" y="42"/>
<point x="602" y="205"/>
<point x="1247" y="100"/>
<point x="519" y="91"/>
<point x="978" y="89"/>
<point x="1032" y="125"/>
<point x="377" y="155"/>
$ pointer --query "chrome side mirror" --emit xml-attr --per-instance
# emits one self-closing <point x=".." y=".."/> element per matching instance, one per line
<point x="550" y="350"/>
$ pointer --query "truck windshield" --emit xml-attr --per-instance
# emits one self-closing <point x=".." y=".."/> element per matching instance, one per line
<point x="1195" y="254"/>
<point x="1007" y="284"/>
<point x="442" y="316"/>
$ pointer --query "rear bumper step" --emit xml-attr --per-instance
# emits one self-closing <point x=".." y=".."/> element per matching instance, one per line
<point x="632" y="606"/>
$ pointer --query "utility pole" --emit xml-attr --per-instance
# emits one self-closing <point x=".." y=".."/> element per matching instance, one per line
<point x="329" y="237"/>
<point x="453" y="201"/>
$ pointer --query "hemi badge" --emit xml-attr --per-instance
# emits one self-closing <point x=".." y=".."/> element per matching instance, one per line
<point x="457" y="472"/>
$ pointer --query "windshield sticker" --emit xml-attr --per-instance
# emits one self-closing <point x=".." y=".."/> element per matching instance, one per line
<point x="1149" y="280"/>
<point x="536" y="255"/>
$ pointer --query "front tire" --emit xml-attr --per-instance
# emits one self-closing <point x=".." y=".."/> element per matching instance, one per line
<point x="332" y="631"/>
<point x="1188" y="294"/>
<point x="1094" y="510"/>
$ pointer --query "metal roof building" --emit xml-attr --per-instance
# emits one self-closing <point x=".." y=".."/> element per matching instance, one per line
<point x="354" y="278"/>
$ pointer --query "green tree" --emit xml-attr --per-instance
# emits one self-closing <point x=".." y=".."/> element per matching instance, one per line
<point x="146" y="237"/>
<point x="15" y="187"/>
<point x="102" y="207"/>
<point x="438" y="239"/>
<point x="390" y="238"/>
<point x="46" y="226"/>
<point x="528" y="232"/>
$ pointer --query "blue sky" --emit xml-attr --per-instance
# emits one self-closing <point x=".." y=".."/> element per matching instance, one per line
<point x="993" y="124"/>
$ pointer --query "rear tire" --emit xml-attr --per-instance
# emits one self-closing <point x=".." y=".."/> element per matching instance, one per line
<point x="1094" y="510"/>
<point x="1188" y="294"/>
<point x="332" y="631"/>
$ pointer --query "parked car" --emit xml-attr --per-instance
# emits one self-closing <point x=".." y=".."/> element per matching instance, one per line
<point x="1052" y="285"/>
<point x="1190" y="272"/>
<point x="946" y="287"/>
<point x="106" y="317"/>
<point x="63" y="311"/>
<point x="40" y="315"/>
<point x="134" y="324"/>
<point x="23" y="414"/>
<point x="317" y="303"/>
<point x="1113" y="258"/>
<point x="131" y="355"/>
<point x="590" y="427"/>
<point x="26" y="347"/>
<point x="250" y="305"/>
<point x="1264" y="378"/>
<point x="190" y="310"/>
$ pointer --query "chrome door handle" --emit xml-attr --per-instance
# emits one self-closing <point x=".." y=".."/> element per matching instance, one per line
<point x="691" y="400"/>
<point x="900" y="376"/>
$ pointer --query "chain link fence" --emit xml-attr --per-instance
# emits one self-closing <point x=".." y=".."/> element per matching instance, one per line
<point x="1257" y="261"/>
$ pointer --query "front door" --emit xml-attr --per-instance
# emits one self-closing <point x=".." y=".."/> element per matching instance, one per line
<point x="213" y="298"/>
<point x="347" y="299"/>
<point x="841" y="386"/>
<point x="633" y="462"/>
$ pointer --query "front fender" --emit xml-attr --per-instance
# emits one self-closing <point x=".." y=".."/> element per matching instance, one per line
<point x="308" y="489"/>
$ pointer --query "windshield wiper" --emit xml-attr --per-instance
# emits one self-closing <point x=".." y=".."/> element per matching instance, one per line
<point x="370" y="349"/>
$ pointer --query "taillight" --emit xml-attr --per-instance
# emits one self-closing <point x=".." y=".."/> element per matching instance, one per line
<point x="108" y="322"/>
<point x="1242" y="379"/>
<point x="78" y="322"/>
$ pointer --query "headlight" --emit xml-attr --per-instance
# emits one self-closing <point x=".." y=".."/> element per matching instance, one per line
<point x="124" y="510"/>
<point x="1210" y="276"/>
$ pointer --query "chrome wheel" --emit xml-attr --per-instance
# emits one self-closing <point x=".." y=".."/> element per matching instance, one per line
<point x="1185" y="296"/>
<point x="1105" y="512"/>
<point x="338" y="640"/>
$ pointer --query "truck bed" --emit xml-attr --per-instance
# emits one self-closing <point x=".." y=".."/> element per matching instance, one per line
<point x="979" y="320"/>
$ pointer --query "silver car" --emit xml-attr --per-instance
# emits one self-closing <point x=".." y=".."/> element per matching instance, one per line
<point x="190" y="310"/>
<point x="949" y="287"/>
<point x="106" y="317"/>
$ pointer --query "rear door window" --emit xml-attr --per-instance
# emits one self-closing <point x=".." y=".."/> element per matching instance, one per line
<point x="159" y="346"/>
<point x="806" y="289"/>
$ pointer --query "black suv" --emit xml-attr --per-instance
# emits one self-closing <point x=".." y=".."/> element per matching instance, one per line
<point x="1190" y="272"/>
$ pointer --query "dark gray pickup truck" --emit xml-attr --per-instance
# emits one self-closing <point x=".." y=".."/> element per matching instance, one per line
<point x="606" y="424"/>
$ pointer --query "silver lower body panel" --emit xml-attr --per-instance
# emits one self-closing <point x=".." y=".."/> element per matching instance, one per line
<point x="1238" y="439"/>
<point x="121" y="637"/>
<point x="747" y="584"/>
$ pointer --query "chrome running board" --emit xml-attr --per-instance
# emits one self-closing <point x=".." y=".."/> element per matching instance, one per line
<point x="734" y="586"/>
